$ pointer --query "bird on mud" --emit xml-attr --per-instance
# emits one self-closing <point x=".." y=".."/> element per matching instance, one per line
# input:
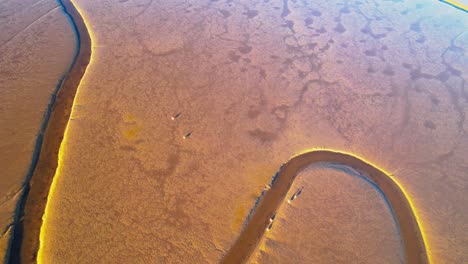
<point x="176" y="116"/>
<point x="187" y="135"/>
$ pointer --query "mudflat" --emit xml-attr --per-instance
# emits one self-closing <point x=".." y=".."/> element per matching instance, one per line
<point x="187" y="109"/>
<point x="406" y="218"/>
<point x="37" y="46"/>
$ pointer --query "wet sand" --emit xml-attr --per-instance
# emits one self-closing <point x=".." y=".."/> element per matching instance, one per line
<point x="457" y="4"/>
<point x="37" y="48"/>
<point x="303" y="229"/>
<point x="256" y="82"/>
<point x="31" y="208"/>
<point x="245" y="245"/>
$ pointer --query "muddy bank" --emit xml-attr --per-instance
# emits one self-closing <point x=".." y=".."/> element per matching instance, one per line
<point x="31" y="208"/>
<point x="410" y="231"/>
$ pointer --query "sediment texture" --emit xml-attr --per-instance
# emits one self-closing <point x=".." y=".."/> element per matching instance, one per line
<point x="255" y="81"/>
<point x="27" y="237"/>
<point x="37" y="46"/>
<point x="406" y="218"/>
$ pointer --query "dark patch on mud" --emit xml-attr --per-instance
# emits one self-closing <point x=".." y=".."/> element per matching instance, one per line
<point x="429" y="124"/>
<point x="263" y="136"/>
<point x="251" y="13"/>
<point x="245" y="49"/>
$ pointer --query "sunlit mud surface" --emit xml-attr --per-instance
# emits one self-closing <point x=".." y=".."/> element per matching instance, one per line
<point x="257" y="82"/>
<point x="337" y="218"/>
<point x="37" y="46"/>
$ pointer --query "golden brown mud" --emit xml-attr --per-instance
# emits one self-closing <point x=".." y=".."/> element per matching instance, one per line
<point x="413" y="241"/>
<point x="255" y="81"/>
<point x="26" y="240"/>
<point x="37" y="48"/>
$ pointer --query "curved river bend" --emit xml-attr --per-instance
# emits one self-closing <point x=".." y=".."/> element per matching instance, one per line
<point x="400" y="205"/>
<point x="35" y="204"/>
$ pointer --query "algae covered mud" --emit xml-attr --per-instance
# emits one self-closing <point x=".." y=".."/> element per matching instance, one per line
<point x="400" y="204"/>
<point x="31" y="209"/>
